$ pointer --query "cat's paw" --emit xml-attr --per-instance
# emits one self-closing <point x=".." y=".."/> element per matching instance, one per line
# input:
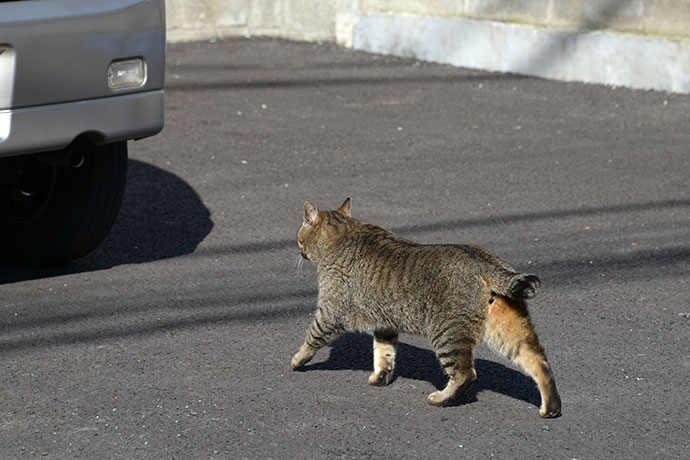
<point x="381" y="378"/>
<point x="299" y="360"/>
<point x="438" y="398"/>
<point x="550" y="411"/>
<point x="550" y="404"/>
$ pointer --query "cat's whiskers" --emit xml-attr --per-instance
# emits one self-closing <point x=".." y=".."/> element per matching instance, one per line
<point x="298" y="264"/>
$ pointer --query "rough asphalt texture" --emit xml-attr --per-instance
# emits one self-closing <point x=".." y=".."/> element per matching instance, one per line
<point x="174" y="339"/>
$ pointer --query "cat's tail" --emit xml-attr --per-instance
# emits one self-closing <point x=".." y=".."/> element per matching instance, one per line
<point x="518" y="286"/>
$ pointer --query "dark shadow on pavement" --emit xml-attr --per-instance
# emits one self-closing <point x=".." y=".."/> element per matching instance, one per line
<point x="545" y="215"/>
<point x="47" y="332"/>
<point x="413" y="230"/>
<point x="309" y="83"/>
<point x="354" y="352"/>
<point x="161" y="217"/>
<point x="638" y="264"/>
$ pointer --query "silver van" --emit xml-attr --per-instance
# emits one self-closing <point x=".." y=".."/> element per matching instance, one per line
<point x="78" y="79"/>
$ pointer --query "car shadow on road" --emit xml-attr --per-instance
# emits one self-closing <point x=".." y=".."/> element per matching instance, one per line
<point x="161" y="217"/>
<point x="354" y="352"/>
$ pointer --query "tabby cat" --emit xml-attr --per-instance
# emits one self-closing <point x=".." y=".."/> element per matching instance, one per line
<point x="370" y="280"/>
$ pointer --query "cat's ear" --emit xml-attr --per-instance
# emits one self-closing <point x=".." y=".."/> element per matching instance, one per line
<point x="311" y="213"/>
<point x="346" y="206"/>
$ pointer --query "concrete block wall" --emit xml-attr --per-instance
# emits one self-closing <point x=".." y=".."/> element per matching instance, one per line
<point x="669" y="18"/>
<point x="635" y="43"/>
<point x="317" y="19"/>
<point x="311" y="20"/>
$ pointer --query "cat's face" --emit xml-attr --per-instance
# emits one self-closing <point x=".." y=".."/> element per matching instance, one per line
<point x="308" y="236"/>
<point x="310" y="226"/>
<point x="302" y="235"/>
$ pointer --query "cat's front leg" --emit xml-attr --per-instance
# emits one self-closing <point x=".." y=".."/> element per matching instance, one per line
<point x="385" y="346"/>
<point x="323" y="331"/>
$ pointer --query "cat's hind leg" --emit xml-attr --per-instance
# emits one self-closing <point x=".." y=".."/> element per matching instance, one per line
<point x="323" y="330"/>
<point x="385" y="346"/>
<point x="455" y="351"/>
<point x="509" y="331"/>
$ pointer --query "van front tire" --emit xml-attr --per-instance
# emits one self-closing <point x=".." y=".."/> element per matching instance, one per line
<point x="52" y="213"/>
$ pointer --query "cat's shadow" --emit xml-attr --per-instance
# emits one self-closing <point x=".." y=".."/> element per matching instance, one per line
<point x="354" y="352"/>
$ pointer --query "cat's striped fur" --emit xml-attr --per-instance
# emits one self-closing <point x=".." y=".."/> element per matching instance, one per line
<point x="371" y="280"/>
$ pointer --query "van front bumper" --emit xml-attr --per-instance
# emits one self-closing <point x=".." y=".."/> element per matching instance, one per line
<point x="54" y="127"/>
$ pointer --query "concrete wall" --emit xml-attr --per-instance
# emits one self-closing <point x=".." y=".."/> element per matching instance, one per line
<point x="335" y="19"/>
<point x="311" y="20"/>
<point x="636" y="43"/>
<point x="656" y="17"/>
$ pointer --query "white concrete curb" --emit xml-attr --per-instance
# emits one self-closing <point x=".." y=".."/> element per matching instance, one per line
<point x="634" y="61"/>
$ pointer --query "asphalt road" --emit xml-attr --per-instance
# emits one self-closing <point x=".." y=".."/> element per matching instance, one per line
<point x="173" y="339"/>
